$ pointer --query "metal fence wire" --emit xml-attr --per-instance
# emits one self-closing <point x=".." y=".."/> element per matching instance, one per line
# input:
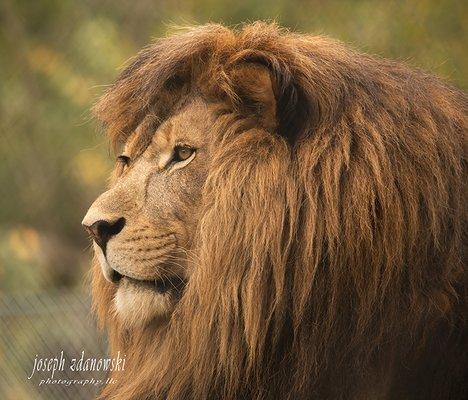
<point x="45" y="325"/>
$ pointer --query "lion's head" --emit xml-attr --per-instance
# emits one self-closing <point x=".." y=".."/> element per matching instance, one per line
<point x="285" y="221"/>
<point x="143" y="226"/>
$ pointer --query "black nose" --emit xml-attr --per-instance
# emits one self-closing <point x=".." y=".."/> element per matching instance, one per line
<point x="102" y="231"/>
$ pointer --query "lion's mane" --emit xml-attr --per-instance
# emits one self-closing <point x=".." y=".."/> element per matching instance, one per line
<point x="329" y="261"/>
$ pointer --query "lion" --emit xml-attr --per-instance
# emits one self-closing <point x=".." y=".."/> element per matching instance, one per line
<point x="285" y="221"/>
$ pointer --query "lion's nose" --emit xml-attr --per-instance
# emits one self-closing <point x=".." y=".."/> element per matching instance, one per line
<point x="102" y="230"/>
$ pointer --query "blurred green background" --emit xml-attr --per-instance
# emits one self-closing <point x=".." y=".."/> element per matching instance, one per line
<point x="56" y="58"/>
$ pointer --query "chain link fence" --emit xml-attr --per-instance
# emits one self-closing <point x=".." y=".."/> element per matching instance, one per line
<point x="45" y="325"/>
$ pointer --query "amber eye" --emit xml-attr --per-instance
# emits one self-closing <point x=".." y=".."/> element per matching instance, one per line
<point x="182" y="153"/>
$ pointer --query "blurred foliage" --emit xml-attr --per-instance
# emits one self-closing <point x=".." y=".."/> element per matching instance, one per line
<point x="57" y="55"/>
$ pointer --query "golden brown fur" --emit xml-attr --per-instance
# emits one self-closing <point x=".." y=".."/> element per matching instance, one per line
<point x="329" y="259"/>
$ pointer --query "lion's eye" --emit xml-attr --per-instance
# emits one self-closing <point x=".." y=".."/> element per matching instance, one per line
<point x="182" y="153"/>
<point x="124" y="162"/>
<point x="123" y="159"/>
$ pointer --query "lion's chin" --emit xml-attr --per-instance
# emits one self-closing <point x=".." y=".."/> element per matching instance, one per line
<point x="138" y="302"/>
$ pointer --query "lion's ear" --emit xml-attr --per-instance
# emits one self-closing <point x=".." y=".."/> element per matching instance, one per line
<point x="265" y="89"/>
<point x="254" y="93"/>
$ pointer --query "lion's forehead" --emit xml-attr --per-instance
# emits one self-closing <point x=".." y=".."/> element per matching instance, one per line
<point x="189" y="125"/>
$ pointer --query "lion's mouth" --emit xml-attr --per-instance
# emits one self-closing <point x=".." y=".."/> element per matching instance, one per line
<point x="160" y="285"/>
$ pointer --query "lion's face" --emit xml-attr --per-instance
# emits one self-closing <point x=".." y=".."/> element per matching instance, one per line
<point x="144" y="224"/>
